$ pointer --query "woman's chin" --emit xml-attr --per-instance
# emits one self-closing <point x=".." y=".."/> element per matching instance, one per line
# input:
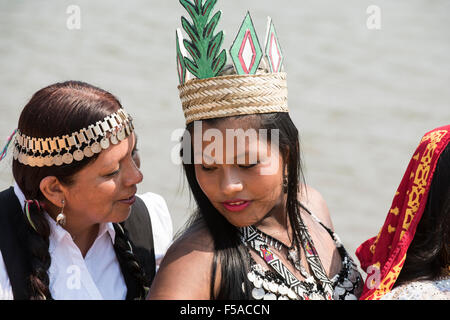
<point x="120" y="216"/>
<point x="239" y="223"/>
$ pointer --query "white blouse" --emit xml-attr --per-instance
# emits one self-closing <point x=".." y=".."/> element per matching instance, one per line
<point x="438" y="289"/>
<point x="97" y="276"/>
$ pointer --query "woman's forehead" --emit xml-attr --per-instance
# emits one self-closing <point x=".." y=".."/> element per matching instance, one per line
<point x="232" y="146"/>
<point x="112" y="156"/>
<point x="239" y="122"/>
<point x="119" y="151"/>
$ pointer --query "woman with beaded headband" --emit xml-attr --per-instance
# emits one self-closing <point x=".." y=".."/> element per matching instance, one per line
<point x="253" y="234"/>
<point x="66" y="231"/>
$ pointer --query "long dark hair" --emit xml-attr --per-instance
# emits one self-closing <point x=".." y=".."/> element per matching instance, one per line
<point x="56" y="110"/>
<point x="429" y="251"/>
<point x="229" y="251"/>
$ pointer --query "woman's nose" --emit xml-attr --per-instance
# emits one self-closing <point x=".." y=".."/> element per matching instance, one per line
<point x="133" y="175"/>
<point x="231" y="183"/>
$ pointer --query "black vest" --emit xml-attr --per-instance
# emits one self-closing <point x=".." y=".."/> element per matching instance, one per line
<point x="16" y="254"/>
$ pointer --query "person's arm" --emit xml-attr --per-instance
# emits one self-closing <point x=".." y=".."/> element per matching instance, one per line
<point x="185" y="272"/>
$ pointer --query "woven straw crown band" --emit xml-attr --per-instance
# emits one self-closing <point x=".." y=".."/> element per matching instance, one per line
<point x="233" y="95"/>
<point x="40" y="152"/>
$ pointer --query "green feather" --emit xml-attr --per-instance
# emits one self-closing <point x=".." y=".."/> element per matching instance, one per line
<point x="192" y="33"/>
<point x="191" y="66"/>
<point x="204" y="46"/>
<point x="190" y="8"/>
<point x="214" y="46"/>
<point x="211" y="26"/>
<point x="220" y="62"/>
<point x="191" y="49"/>
<point x="208" y="7"/>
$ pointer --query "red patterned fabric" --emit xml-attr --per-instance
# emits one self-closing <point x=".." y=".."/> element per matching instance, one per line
<point x="382" y="257"/>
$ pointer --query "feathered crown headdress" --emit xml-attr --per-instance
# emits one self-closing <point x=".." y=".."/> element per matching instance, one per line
<point x="206" y="89"/>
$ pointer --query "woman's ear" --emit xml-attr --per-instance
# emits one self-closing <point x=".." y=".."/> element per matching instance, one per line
<point x="52" y="190"/>
<point x="286" y="154"/>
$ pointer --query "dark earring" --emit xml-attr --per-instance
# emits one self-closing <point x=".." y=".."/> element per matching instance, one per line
<point x="285" y="184"/>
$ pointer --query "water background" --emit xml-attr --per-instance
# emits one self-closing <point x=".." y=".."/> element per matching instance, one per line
<point x="362" y="99"/>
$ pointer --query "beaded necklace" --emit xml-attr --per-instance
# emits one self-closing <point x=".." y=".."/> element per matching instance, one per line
<point x="316" y="286"/>
<point x="292" y="251"/>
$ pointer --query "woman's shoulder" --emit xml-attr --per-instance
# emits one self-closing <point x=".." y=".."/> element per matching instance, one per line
<point x="195" y="237"/>
<point x="421" y="290"/>
<point x="185" y="271"/>
<point x="154" y="202"/>
<point x="159" y="212"/>
<point x="313" y="200"/>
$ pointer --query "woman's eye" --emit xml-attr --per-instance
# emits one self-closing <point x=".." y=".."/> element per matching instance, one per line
<point x="247" y="166"/>
<point x="207" y="168"/>
<point x="112" y="174"/>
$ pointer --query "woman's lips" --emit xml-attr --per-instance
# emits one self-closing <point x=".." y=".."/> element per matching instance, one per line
<point x="129" y="201"/>
<point x="236" y="205"/>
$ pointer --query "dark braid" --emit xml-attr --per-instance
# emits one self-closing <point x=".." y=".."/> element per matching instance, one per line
<point x="36" y="237"/>
<point x="124" y="249"/>
<point x="36" y="234"/>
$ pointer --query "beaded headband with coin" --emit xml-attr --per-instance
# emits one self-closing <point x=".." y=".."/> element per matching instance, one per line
<point x="40" y="152"/>
<point x="205" y="89"/>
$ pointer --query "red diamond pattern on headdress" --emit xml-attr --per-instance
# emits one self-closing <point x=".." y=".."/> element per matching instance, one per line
<point x="246" y="51"/>
<point x="275" y="56"/>
<point x="273" y="50"/>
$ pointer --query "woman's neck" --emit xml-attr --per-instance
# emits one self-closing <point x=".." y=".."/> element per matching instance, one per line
<point x="276" y="223"/>
<point x="83" y="233"/>
<point x="83" y="238"/>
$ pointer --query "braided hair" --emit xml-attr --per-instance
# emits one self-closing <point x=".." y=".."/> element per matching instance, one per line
<point x="54" y="111"/>
<point x="124" y="248"/>
<point x="35" y="231"/>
